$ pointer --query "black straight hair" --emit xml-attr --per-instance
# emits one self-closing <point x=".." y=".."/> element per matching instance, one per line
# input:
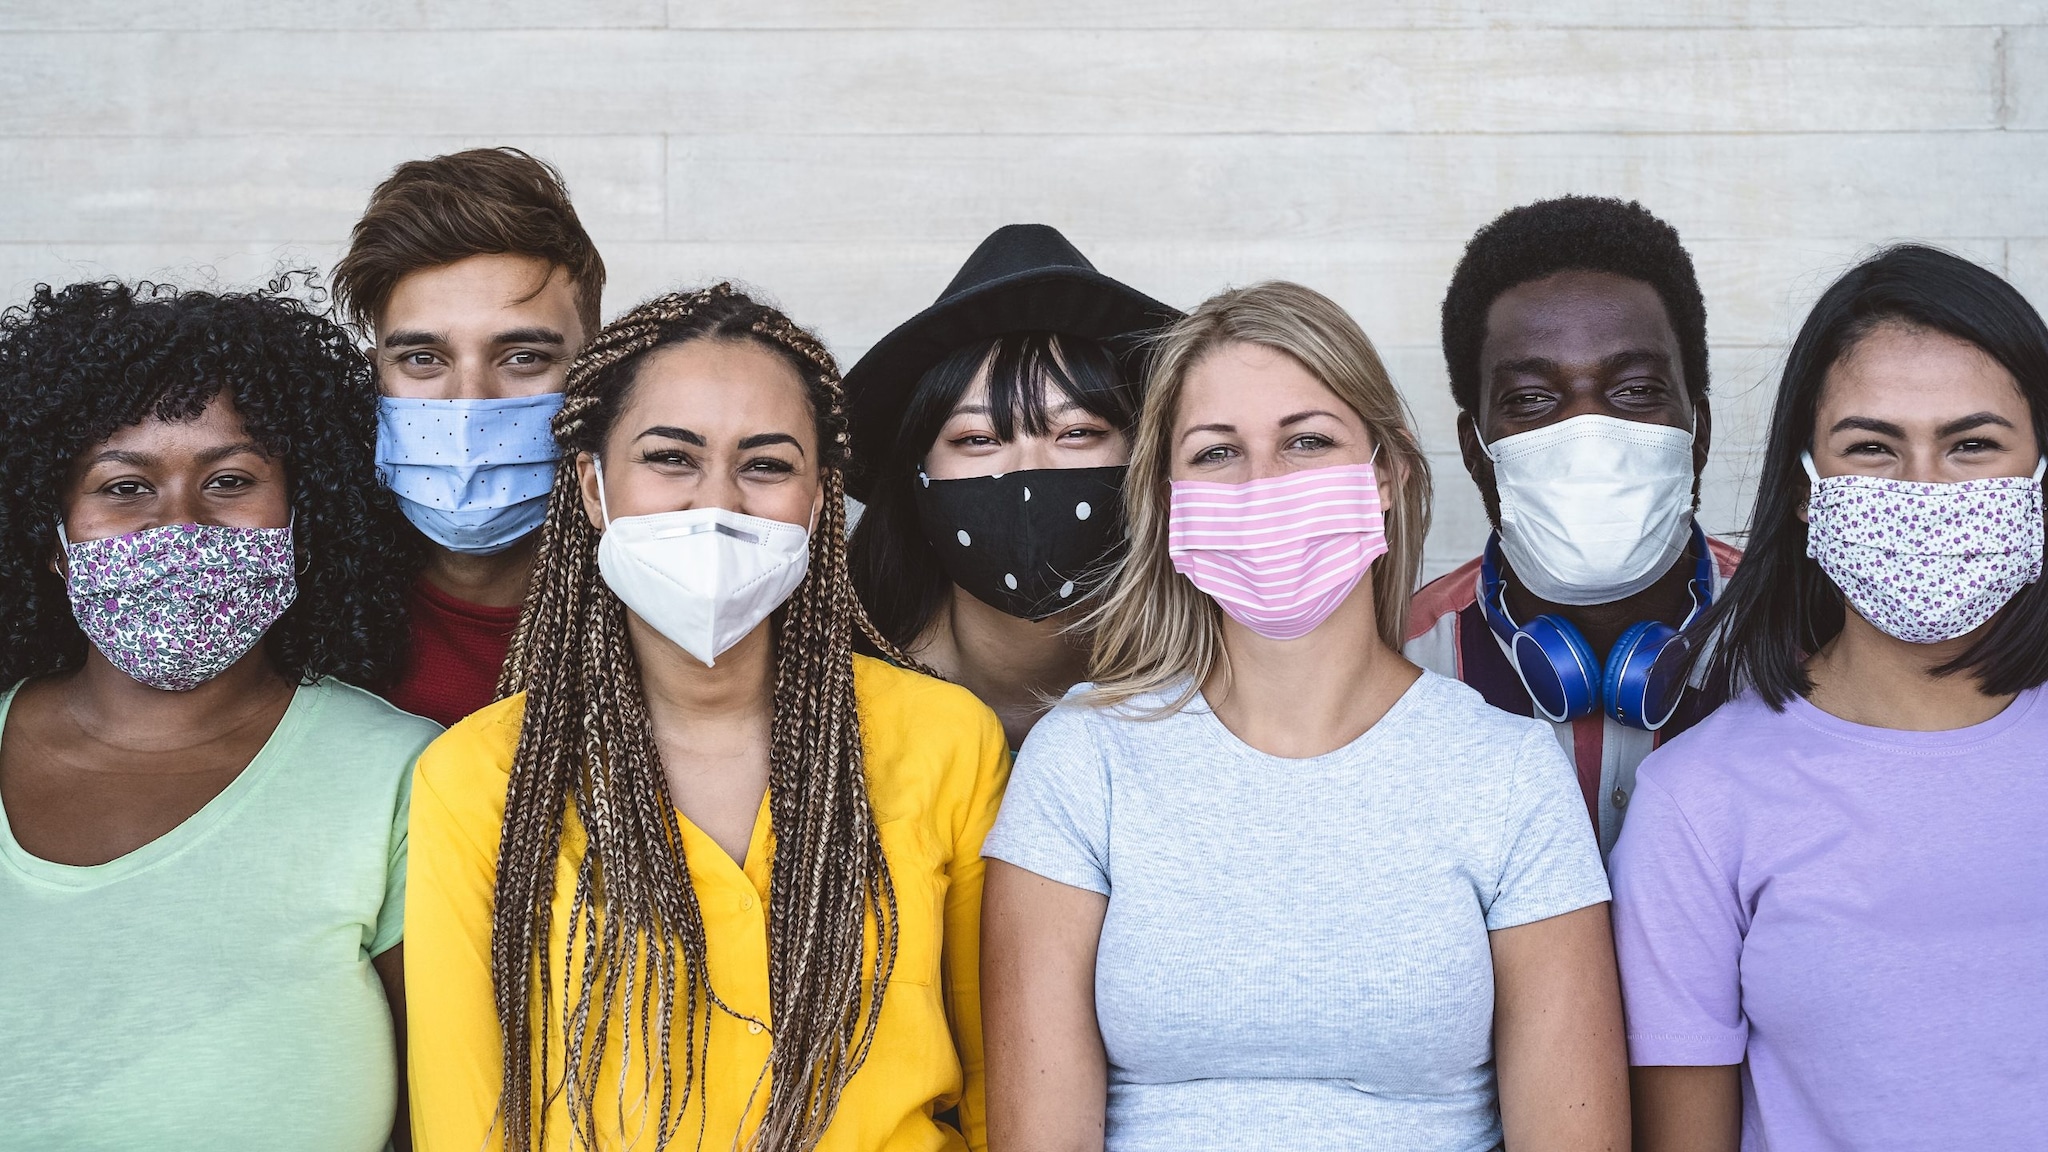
<point x="1780" y="607"/>
<point x="895" y="571"/>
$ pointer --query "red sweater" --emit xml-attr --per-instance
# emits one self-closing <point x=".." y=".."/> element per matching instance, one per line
<point x="457" y="649"/>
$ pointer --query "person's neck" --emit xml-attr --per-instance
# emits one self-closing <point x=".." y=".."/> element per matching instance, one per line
<point x="691" y="704"/>
<point x="1307" y="697"/>
<point x="1669" y="600"/>
<point x="121" y="712"/>
<point x="494" y="581"/>
<point x="1017" y="667"/>
<point x="1867" y="677"/>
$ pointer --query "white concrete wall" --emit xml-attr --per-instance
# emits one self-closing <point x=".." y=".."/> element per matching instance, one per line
<point x="845" y="155"/>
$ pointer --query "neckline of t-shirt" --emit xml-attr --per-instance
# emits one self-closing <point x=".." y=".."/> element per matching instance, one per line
<point x="1199" y="707"/>
<point x="494" y="615"/>
<point x="298" y="715"/>
<point x="1914" y="741"/>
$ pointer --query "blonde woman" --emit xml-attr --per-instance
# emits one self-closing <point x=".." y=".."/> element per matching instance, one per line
<point x="1265" y="883"/>
<point x="705" y="879"/>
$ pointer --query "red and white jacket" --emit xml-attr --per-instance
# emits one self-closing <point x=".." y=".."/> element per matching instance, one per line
<point x="1447" y="634"/>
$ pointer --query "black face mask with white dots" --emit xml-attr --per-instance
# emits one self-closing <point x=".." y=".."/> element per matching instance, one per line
<point x="1027" y="543"/>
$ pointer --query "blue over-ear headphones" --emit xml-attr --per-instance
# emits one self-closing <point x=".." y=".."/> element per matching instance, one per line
<point x="1644" y="676"/>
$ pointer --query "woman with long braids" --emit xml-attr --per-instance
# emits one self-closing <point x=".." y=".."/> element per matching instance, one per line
<point x="704" y="878"/>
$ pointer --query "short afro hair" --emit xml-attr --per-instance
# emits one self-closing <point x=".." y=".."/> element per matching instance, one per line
<point x="1569" y="234"/>
<point x="79" y="363"/>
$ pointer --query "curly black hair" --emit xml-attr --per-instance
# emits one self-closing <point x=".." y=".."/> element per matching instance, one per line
<point x="1570" y="233"/>
<point x="79" y="363"/>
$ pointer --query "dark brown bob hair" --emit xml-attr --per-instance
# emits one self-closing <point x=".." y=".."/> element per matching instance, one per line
<point x="1780" y="607"/>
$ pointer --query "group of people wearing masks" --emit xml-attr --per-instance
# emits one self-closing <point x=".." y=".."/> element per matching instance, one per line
<point x="1034" y="739"/>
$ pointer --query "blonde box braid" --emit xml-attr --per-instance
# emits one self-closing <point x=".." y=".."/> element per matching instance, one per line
<point x="635" y="943"/>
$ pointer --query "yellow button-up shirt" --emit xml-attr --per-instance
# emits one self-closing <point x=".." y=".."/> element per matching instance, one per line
<point x="936" y="764"/>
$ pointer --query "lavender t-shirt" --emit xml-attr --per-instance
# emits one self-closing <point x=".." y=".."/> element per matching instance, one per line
<point x="1857" y="915"/>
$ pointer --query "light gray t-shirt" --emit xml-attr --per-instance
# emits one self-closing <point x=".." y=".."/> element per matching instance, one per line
<point x="1295" y="954"/>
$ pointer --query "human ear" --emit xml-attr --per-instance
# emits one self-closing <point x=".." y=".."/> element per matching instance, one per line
<point x="586" y="482"/>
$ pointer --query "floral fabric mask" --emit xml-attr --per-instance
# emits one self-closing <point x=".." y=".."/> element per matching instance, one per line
<point x="175" y="606"/>
<point x="1926" y="562"/>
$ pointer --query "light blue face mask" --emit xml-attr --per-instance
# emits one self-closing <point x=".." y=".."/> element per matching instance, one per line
<point x="472" y="475"/>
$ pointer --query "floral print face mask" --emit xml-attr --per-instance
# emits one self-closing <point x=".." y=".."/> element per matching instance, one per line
<point x="1926" y="562"/>
<point x="175" y="606"/>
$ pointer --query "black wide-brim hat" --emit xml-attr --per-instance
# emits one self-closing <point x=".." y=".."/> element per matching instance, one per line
<point x="1023" y="278"/>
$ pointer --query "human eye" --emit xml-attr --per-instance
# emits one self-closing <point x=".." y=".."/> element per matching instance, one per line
<point x="230" y="482"/>
<point x="668" y="458"/>
<point x="528" y="360"/>
<point x="1525" y="402"/>
<point x="1310" y="442"/>
<point x="1214" y="454"/>
<point x="125" y="488"/>
<point x="420" y="359"/>
<point x="768" y="465"/>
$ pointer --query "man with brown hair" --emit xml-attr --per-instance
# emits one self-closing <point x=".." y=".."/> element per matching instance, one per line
<point x="476" y="285"/>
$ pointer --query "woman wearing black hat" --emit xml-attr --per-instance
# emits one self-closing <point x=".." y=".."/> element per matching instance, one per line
<point x="991" y="433"/>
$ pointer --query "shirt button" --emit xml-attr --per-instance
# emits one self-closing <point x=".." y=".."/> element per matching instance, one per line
<point x="754" y="1027"/>
<point x="1620" y="798"/>
<point x="746" y="901"/>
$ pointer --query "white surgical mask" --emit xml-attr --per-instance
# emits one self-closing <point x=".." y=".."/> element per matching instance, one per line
<point x="1925" y="562"/>
<point x="703" y="577"/>
<point x="1595" y="508"/>
<point x="472" y="475"/>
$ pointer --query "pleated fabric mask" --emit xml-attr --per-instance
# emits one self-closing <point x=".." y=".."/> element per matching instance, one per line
<point x="1280" y="554"/>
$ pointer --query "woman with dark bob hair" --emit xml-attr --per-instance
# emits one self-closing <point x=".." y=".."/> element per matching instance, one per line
<point x="1831" y="897"/>
<point x="991" y="433"/>
<point x="202" y="827"/>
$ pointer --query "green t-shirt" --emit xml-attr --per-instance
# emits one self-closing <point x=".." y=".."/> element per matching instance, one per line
<point x="212" y="989"/>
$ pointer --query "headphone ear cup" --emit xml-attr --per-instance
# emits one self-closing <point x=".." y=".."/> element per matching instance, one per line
<point x="1557" y="667"/>
<point x="1641" y="689"/>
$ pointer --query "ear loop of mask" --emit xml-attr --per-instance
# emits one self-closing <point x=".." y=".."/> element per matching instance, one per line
<point x="604" y="509"/>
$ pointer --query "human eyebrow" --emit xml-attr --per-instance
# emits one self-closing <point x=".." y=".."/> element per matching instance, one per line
<point x="1636" y="358"/>
<point x="413" y="338"/>
<point x="1866" y="424"/>
<point x="763" y="439"/>
<point x="1974" y="420"/>
<point x="1526" y="366"/>
<point x="668" y="432"/>
<point x="1227" y="429"/>
<point x="120" y="456"/>
<point x="531" y="336"/>
<point x="216" y="455"/>
<point x="1298" y="417"/>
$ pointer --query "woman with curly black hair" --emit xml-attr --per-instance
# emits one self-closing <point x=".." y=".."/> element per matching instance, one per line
<point x="202" y="828"/>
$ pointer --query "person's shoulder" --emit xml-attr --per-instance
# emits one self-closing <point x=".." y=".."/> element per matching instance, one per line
<point x="1727" y="557"/>
<point x="1743" y="735"/>
<point x="361" y="723"/>
<point x="477" y="750"/>
<point x="1456" y="712"/>
<point x="898" y="700"/>
<point x="1447" y="595"/>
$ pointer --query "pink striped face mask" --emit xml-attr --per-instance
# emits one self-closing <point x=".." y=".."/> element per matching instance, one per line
<point x="1278" y="554"/>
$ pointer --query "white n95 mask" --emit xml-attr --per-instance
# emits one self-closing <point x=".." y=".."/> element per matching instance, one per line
<point x="1595" y="508"/>
<point x="703" y="577"/>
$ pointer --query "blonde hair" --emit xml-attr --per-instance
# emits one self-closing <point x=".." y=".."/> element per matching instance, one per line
<point x="1154" y="631"/>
